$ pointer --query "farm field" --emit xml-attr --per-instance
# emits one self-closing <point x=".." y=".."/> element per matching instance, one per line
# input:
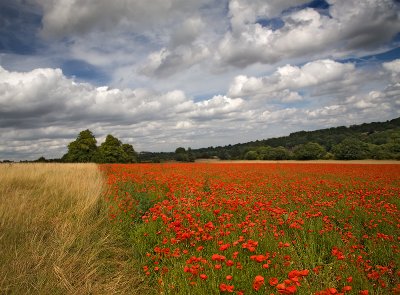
<point x="55" y="237"/>
<point x="248" y="228"/>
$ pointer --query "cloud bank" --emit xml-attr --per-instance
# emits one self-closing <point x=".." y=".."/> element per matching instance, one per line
<point x="44" y="103"/>
<point x="193" y="73"/>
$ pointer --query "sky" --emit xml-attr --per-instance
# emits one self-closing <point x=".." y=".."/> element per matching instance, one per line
<point x="162" y="74"/>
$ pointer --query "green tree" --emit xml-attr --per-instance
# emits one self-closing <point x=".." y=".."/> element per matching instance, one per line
<point x="130" y="153"/>
<point x="191" y="157"/>
<point x="82" y="149"/>
<point x="181" y="155"/>
<point x="351" y="149"/>
<point x="309" y="151"/>
<point x="251" y="155"/>
<point x="111" y="151"/>
<point x="270" y="153"/>
<point x="180" y="150"/>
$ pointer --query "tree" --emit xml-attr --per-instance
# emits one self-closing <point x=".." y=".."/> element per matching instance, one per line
<point x="270" y="153"/>
<point x="351" y="149"/>
<point x="181" y="155"/>
<point x="41" y="160"/>
<point x="111" y="151"/>
<point x="280" y="153"/>
<point x="82" y="149"/>
<point x="251" y="155"/>
<point x="191" y="157"/>
<point x="180" y="150"/>
<point x="309" y="151"/>
<point x="131" y="155"/>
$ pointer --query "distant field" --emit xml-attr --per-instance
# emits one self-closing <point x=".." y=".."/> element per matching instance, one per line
<point x="55" y="237"/>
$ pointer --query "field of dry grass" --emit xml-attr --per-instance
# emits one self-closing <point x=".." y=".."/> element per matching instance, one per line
<point x="55" y="237"/>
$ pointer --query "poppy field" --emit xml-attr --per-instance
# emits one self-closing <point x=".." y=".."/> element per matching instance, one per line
<point x="246" y="228"/>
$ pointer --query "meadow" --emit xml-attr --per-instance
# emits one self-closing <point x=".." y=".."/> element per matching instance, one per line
<point x="55" y="237"/>
<point x="261" y="228"/>
<point x="200" y="228"/>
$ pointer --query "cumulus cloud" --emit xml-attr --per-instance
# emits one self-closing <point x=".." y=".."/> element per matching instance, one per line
<point x="187" y="32"/>
<point x="63" y="17"/>
<point x="244" y="12"/>
<point x="308" y="32"/>
<point x="165" y="62"/>
<point x="165" y="38"/>
<point x="44" y="103"/>
<point x="392" y="66"/>
<point x="42" y="110"/>
<point x="281" y="84"/>
<point x="193" y="72"/>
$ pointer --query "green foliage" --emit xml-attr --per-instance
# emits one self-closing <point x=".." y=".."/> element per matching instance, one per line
<point x="251" y="155"/>
<point x="270" y="153"/>
<point x="191" y="157"/>
<point x="180" y="150"/>
<point x="113" y="151"/>
<point x="181" y="155"/>
<point x="381" y="139"/>
<point x="351" y="149"/>
<point x="131" y="155"/>
<point x="82" y="149"/>
<point x="309" y="151"/>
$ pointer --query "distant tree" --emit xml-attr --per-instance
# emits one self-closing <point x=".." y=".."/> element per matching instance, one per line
<point x="82" y="149"/>
<point x="130" y="154"/>
<point x="41" y="160"/>
<point x="111" y="151"/>
<point x="224" y="155"/>
<point x="380" y="152"/>
<point x="271" y="153"/>
<point x="309" y="151"/>
<point x="393" y="146"/>
<point x="180" y="150"/>
<point x="328" y="156"/>
<point x="264" y="152"/>
<point x="181" y="155"/>
<point x="351" y="149"/>
<point x="251" y="155"/>
<point x="190" y="156"/>
<point x="280" y="153"/>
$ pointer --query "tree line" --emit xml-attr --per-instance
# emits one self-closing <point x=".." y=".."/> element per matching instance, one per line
<point x="376" y="140"/>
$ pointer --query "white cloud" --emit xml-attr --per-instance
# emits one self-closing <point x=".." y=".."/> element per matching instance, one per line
<point x="64" y="17"/>
<point x="187" y="32"/>
<point x="165" y="63"/>
<point x="195" y="72"/>
<point x="392" y="66"/>
<point x="307" y="32"/>
<point x="244" y="12"/>
<point x="43" y="103"/>
<point x="291" y="78"/>
<point x="42" y="110"/>
<point x="217" y="107"/>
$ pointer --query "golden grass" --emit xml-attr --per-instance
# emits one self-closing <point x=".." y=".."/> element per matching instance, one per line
<point x="55" y="237"/>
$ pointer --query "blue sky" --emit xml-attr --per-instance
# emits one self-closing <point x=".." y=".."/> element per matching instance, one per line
<point x="194" y="73"/>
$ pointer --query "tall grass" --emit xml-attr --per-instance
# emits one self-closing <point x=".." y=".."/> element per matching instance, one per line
<point x="55" y="237"/>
